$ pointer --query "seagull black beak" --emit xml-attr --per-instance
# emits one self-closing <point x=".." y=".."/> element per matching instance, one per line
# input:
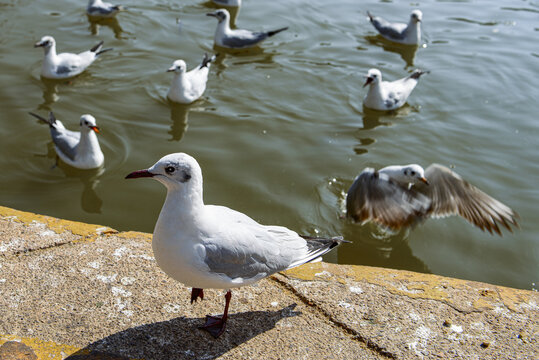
<point x="369" y="80"/>
<point x="95" y="128"/>
<point x="139" y="174"/>
<point x="424" y="179"/>
<point x="211" y="14"/>
<point x="171" y="69"/>
<point x="38" y="44"/>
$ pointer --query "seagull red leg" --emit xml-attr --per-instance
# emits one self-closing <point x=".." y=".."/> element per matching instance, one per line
<point x="216" y="325"/>
<point x="197" y="293"/>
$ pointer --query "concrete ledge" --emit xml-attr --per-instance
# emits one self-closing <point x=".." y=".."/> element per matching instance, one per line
<point x="80" y="291"/>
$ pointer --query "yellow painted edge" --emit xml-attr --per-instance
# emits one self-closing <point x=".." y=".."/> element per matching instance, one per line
<point x="43" y="349"/>
<point x="55" y="224"/>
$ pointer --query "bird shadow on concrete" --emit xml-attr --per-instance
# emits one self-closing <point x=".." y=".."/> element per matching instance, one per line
<point x="180" y="338"/>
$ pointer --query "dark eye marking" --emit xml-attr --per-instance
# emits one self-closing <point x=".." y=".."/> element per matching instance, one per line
<point x="413" y="173"/>
<point x="170" y="169"/>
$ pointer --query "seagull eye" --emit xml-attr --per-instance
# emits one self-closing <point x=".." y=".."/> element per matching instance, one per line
<point x="170" y="169"/>
<point x="413" y="173"/>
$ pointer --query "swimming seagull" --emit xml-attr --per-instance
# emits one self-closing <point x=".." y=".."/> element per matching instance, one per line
<point x="237" y="38"/>
<point x="78" y="149"/>
<point x="65" y="65"/>
<point x="399" y="196"/>
<point x="389" y="95"/>
<point x="409" y="34"/>
<point x="228" y="3"/>
<point x="209" y="246"/>
<point x="189" y="86"/>
<point x="100" y="9"/>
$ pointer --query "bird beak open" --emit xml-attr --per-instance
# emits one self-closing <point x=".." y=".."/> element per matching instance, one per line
<point x="424" y="179"/>
<point x="95" y="128"/>
<point x="369" y="80"/>
<point x="139" y="174"/>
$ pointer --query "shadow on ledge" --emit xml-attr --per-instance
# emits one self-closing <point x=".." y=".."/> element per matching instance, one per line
<point x="180" y="338"/>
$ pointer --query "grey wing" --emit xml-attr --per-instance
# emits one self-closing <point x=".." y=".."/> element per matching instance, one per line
<point x="388" y="29"/>
<point x="244" y="41"/>
<point x="374" y="197"/>
<point x="66" y="141"/>
<point x="452" y="195"/>
<point x="62" y="69"/>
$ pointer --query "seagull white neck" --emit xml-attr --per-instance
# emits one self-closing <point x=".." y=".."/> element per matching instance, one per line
<point x="89" y="145"/>
<point x="50" y="53"/>
<point x="414" y="30"/>
<point x="223" y="28"/>
<point x="395" y="173"/>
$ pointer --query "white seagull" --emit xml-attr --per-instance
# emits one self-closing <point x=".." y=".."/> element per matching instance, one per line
<point x="65" y="65"/>
<point x="78" y="149"/>
<point x="186" y="86"/>
<point x="228" y="3"/>
<point x="209" y="246"/>
<point x="237" y="38"/>
<point x="389" y="95"/>
<point x="409" y="34"/>
<point x="100" y="9"/>
<point x="398" y="196"/>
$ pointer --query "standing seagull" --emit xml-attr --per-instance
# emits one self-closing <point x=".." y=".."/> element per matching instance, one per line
<point x="389" y="95"/>
<point x="100" y="9"/>
<point x="189" y="86"/>
<point x="65" y="65"/>
<point x="398" y="196"/>
<point x="209" y="246"/>
<point x="237" y="38"/>
<point x="409" y="34"/>
<point x="78" y="149"/>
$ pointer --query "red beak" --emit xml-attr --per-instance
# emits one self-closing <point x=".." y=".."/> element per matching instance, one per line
<point x="139" y="174"/>
<point x="95" y="128"/>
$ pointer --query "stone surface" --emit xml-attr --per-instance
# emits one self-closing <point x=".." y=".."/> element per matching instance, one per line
<point x="88" y="292"/>
<point x="14" y="350"/>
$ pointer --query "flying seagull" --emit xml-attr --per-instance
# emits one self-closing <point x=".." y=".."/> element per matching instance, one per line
<point x="389" y="95"/>
<point x="409" y="34"/>
<point x="209" y="246"/>
<point x="237" y="38"/>
<point x="65" y="65"/>
<point x="399" y="196"/>
<point x="78" y="149"/>
<point x="186" y="86"/>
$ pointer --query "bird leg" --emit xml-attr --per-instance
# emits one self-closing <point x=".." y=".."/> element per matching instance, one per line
<point x="197" y="293"/>
<point x="216" y="325"/>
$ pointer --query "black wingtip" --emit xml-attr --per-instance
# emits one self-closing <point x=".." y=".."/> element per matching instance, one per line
<point x="370" y="16"/>
<point x="97" y="47"/>
<point x="271" y="33"/>
<point x="417" y="73"/>
<point x="102" y="51"/>
<point x="49" y="122"/>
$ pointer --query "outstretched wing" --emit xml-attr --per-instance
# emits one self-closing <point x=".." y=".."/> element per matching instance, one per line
<point x="374" y="197"/>
<point x="452" y="195"/>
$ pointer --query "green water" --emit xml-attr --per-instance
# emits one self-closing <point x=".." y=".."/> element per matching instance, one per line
<point x="281" y="133"/>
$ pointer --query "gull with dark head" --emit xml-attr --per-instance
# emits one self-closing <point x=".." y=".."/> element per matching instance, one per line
<point x="65" y="65"/>
<point x="186" y="86"/>
<point x="399" y="196"/>
<point x="409" y="34"/>
<point x="209" y="246"/>
<point x="78" y="149"/>
<point x="237" y="38"/>
<point x="101" y="9"/>
<point x="389" y="95"/>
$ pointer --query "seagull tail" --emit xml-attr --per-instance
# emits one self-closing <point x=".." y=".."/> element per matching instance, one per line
<point x="417" y="73"/>
<point x="207" y="60"/>
<point x="371" y="18"/>
<point x="316" y="247"/>
<point x="51" y="121"/>
<point x="271" y="33"/>
<point x="119" y="8"/>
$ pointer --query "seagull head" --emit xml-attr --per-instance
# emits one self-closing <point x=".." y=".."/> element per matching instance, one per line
<point x="414" y="174"/>
<point x="175" y="171"/>
<point x="178" y="66"/>
<point x="373" y="76"/>
<point x="87" y="121"/>
<point x="221" y="14"/>
<point x="46" y="42"/>
<point x="416" y="16"/>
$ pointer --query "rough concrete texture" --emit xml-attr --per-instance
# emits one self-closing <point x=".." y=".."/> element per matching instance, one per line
<point x="79" y="291"/>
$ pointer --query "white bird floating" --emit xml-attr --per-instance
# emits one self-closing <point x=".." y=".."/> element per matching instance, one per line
<point x="399" y="196"/>
<point x="78" y="149"/>
<point x="237" y="38"/>
<point x="228" y="3"/>
<point x="100" y="9"/>
<point x="389" y="95"/>
<point x="186" y="86"/>
<point x="208" y="246"/>
<point x="409" y="34"/>
<point x="65" y="65"/>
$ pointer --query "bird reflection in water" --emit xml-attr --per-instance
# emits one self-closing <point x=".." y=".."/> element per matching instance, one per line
<point x="50" y="92"/>
<point x="179" y="116"/>
<point x="407" y="52"/>
<point x="112" y="23"/>
<point x="90" y="202"/>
